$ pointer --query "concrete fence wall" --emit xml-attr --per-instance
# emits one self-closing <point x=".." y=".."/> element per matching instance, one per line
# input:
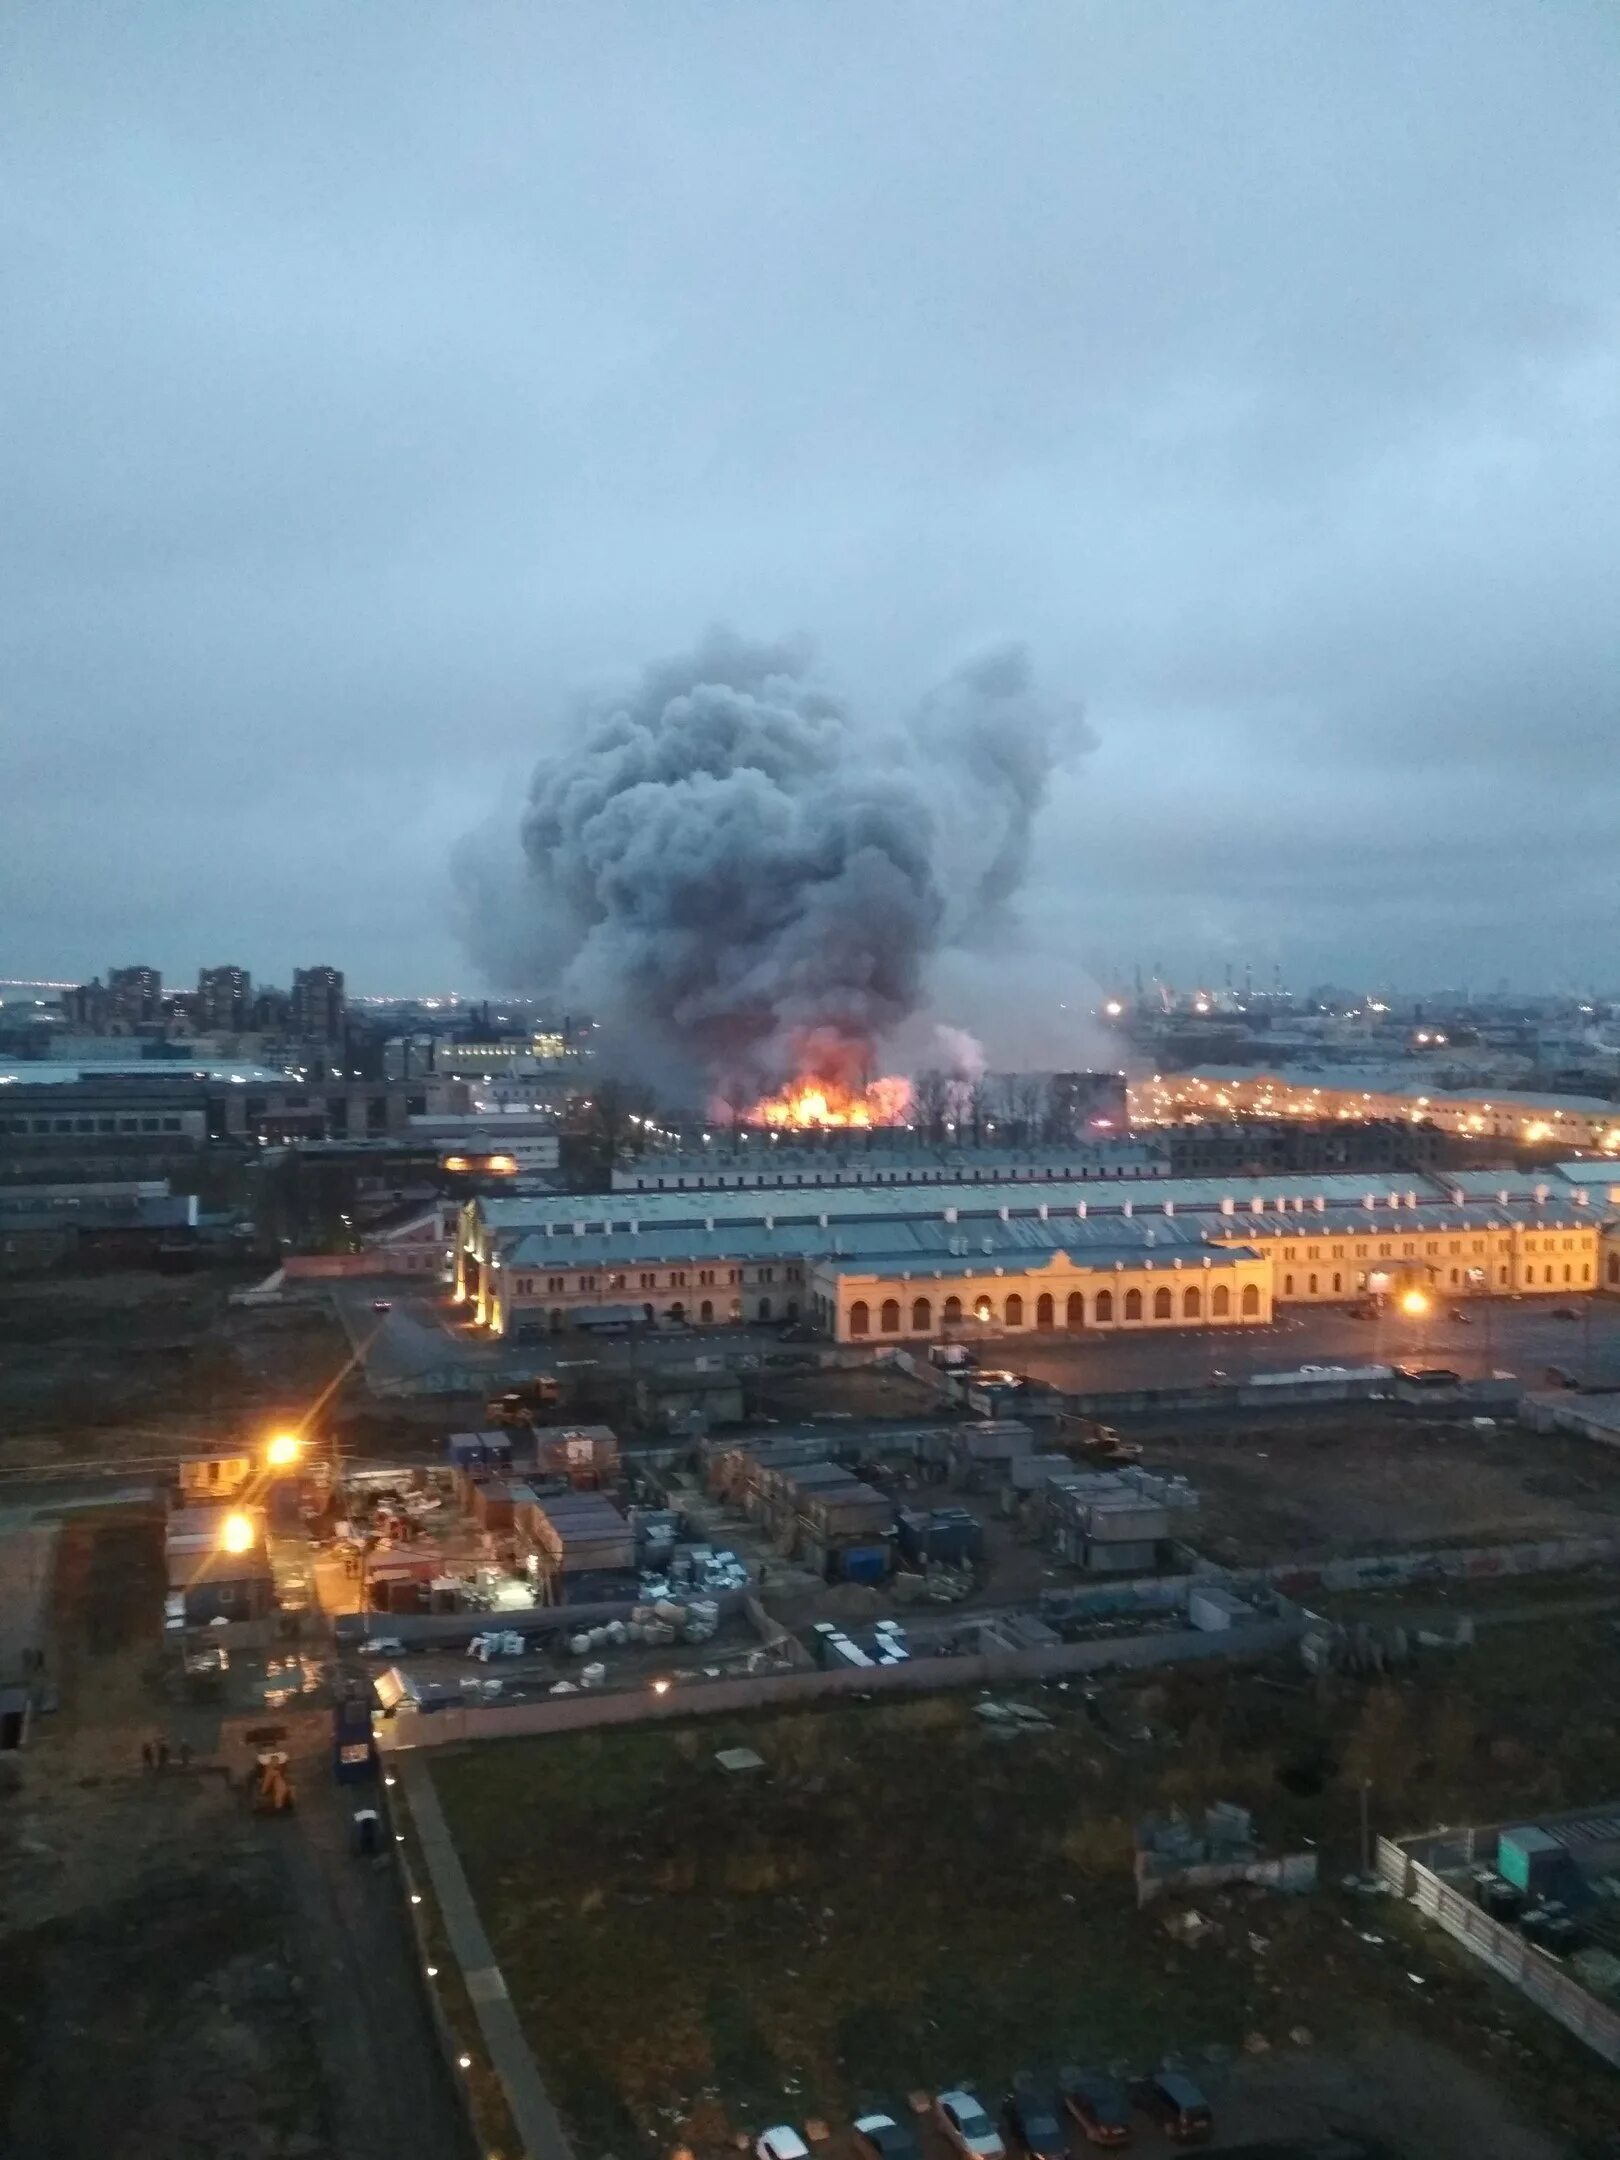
<point x="1507" y="1953"/>
<point x="1469" y="1563"/>
<point x="803" y="1690"/>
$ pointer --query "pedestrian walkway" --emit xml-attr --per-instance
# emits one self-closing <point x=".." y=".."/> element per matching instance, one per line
<point x="538" y="2124"/>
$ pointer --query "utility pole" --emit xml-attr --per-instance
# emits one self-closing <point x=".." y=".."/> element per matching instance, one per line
<point x="1366" y="1828"/>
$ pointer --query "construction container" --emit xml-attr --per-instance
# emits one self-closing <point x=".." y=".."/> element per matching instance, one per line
<point x="862" y="1563"/>
<point x="1212" y="1609"/>
<point x="1531" y="1860"/>
<point x="1100" y="1558"/>
<point x="492" y="1505"/>
<point x="947" y="1536"/>
<point x="586" y="1455"/>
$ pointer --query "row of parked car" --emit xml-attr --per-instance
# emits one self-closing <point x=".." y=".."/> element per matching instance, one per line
<point x="1036" y="2121"/>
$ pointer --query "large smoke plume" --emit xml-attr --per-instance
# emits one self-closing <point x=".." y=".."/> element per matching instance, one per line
<point x="725" y="861"/>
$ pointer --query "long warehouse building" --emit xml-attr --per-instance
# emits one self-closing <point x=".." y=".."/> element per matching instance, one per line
<point x="874" y="1262"/>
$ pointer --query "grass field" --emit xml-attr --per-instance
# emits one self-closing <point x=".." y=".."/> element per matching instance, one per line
<point x="901" y="1898"/>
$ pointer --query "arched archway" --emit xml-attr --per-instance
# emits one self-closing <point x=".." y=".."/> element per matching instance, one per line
<point x="922" y="1316"/>
<point x="953" y="1311"/>
<point x="1192" y="1305"/>
<point x="1074" y="1314"/>
<point x="706" y="1310"/>
<point x="1251" y="1301"/>
<point x="1133" y="1304"/>
<point x="1015" y="1310"/>
<point x="677" y="1311"/>
<point x="1044" y="1310"/>
<point x="1163" y="1305"/>
<point x="860" y="1318"/>
<point x="1104" y="1308"/>
<point x="1614" y="1267"/>
<point x="555" y="1320"/>
<point x="764" y="1308"/>
<point x="889" y="1316"/>
<point x="1220" y="1303"/>
<point x="792" y="1311"/>
<point x="984" y="1311"/>
<point x="648" y="1314"/>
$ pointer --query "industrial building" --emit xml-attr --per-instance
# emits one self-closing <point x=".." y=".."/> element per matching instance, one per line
<point x="913" y="1262"/>
<point x="1527" y="1118"/>
<point x="770" y="1159"/>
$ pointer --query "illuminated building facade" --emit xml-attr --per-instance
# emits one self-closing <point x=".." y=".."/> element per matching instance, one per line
<point x="871" y="1263"/>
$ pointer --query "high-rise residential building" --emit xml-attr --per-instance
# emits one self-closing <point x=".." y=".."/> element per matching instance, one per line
<point x="135" y="994"/>
<point x="318" y="1007"/>
<point x="88" y="1007"/>
<point x="224" y="998"/>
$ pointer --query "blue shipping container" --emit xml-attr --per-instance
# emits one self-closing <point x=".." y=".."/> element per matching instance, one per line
<point x="864" y="1563"/>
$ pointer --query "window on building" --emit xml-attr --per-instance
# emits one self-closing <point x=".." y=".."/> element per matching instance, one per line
<point x="1338" y="1284"/>
<point x="952" y="1312"/>
<point x="1015" y="1310"/>
<point x="1311" y="1286"/>
<point x="1133" y="1304"/>
<point x="706" y="1310"/>
<point x="889" y="1316"/>
<point x="677" y="1278"/>
<point x="649" y="1281"/>
<point x="1220" y="1302"/>
<point x="1251" y="1301"/>
<point x="1104" y="1308"/>
<point x="1075" y="1310"/>
<point x="1163" y="1307"/>
<point x="1044" y="1310"/>
<point x="766" y="1275"/>
<point x="860" y="1318"/>
<point x="1192" y="1305"/>
<point x="1288" y="1286"/>
<point x="922" y="1315"/>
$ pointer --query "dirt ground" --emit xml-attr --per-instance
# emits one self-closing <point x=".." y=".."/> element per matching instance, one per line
<point x="179" y="1976"/>
<point x="107" y="1366"/>
<point x="901" y="1898"/>
<point x="1318" y="1487"/>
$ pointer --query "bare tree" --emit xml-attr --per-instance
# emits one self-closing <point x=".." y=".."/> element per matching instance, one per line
<point x="979" y="1109"/>
<point x="931" y="1096"/>
<point x="1028" y="1120"/>
<point x="1058" y="1122"/>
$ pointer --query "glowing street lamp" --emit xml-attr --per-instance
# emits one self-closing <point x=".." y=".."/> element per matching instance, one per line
<point x="1415" y="1303"/>
<point x="282" y="1450"/>
<point x="236" y="1534"/>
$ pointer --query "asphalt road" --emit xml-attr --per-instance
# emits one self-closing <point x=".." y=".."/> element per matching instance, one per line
<point x="1514" y="1336"/>
<point x="421" y="1334"/>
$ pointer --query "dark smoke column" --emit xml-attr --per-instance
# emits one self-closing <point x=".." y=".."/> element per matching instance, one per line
<point x="722" y="862"/>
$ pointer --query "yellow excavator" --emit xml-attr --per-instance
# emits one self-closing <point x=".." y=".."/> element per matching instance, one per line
<point x="272" y="1788"/>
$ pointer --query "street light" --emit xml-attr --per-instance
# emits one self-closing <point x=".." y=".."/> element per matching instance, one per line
<point x="236" y="1534"/>
<point x="282" y="1450"/>
<point x="1415" y="1303"/>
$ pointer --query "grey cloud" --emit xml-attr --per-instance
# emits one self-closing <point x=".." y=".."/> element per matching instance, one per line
<point x="372" y="375"/>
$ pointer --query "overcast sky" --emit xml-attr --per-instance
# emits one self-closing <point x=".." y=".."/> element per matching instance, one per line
<point x="371" y="374"/>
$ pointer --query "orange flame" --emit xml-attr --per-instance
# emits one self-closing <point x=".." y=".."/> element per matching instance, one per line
<point x="808" y="1103"/>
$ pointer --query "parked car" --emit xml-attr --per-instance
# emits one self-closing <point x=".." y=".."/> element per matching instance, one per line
<point x="884" y="2137"/>
<point x="781" y="2142"/>
<point x="1099" y="2104"/>
<point x="1031" y="2122"/>
<point x="1566" y="1312"/>
<point x="1176" y="2105"/>
<point x="382" y="1304"/>
<point x="968" y="2127"/>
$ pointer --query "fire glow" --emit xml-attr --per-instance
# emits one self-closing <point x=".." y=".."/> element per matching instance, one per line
<point x="806" y="1104"/>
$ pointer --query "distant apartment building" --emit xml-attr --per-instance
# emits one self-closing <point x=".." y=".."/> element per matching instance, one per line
<point x="224" y="999"/>
<point x="318" y="1008"/>
<point x="135" y="995"/>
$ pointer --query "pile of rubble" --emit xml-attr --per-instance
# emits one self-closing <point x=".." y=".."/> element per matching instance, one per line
<point x="934" y="1585"/>
<point x="695" y="1567"/>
